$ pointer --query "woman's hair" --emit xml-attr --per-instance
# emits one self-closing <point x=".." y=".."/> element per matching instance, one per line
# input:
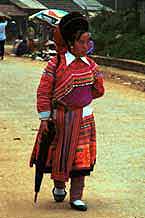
<point x="72" y="26"/>
<point x="60" y="44"/>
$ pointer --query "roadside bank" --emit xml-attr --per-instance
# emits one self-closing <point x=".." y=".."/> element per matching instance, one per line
<point x="127" y="72"/>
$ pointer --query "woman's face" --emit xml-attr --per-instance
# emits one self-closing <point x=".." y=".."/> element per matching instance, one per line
<point x="80" y="46"/>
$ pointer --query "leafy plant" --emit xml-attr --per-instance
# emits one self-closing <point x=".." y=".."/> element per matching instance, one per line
<point x="118" y="35"/>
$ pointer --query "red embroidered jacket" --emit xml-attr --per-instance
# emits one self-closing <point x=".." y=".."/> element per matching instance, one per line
<point x="76" y="74"/>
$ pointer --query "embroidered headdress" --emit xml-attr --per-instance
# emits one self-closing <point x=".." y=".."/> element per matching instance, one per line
<point x="70" y="24"/>
<point x="65" y="33"/>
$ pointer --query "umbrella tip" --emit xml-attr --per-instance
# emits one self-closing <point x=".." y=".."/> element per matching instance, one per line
<point x="35" y="197"/>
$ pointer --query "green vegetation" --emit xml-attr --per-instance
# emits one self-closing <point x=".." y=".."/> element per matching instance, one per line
<point x="118" y="35"/>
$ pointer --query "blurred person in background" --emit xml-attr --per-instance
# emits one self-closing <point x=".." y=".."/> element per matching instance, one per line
<point x="3" y="24"/>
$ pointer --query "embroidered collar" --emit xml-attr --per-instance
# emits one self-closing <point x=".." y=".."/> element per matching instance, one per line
<point x="70" y="58"/>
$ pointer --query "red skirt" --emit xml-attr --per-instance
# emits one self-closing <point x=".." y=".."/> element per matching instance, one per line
<point x="73" y="150"/>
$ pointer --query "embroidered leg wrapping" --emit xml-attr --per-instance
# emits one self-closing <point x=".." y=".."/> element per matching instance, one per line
<point x="76" y="189"/>
<point x="59" y="184"/>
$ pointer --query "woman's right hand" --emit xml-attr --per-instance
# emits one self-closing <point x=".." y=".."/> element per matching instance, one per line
<point x="44" y="126"/>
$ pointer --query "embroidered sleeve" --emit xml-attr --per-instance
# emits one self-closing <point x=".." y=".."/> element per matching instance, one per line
<point x="44" y="91"/>
<point x="98" y="85"/>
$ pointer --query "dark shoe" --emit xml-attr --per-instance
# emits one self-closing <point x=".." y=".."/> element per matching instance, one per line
<point x="81" y="207"/>
<point x="58" y="198"/>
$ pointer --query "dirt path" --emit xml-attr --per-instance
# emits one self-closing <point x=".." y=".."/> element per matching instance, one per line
<point x="116" y="188"/>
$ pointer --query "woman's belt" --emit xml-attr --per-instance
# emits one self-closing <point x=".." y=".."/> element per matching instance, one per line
<point x="61" y="105"/>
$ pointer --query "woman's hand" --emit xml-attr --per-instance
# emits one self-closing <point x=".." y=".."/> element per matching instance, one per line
<point x="44" y="126"/>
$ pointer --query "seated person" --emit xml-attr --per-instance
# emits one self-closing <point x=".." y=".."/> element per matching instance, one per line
<point x="20" y="46"/>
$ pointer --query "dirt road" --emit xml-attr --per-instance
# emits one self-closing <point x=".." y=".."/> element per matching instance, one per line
<point x="116" y="188"/>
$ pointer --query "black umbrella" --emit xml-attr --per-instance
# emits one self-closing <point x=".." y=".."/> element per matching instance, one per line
<point x="47" y="138"/>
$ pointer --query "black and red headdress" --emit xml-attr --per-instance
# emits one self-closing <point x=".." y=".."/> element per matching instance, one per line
<point x="70" y="24"/>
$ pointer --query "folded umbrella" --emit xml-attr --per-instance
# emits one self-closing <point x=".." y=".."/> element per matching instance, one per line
<point x="46" y="140"/>
<point x="38" y="180"/>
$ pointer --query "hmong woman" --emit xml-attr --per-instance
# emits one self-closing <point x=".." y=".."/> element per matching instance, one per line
<point x="72" y="153"/>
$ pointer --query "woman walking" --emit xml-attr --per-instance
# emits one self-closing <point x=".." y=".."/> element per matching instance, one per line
<point x="3" y="24"/>
<point x="68" y="85"/>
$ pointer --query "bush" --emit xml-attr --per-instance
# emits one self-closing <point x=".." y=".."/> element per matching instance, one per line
<point x="118" y="35"/>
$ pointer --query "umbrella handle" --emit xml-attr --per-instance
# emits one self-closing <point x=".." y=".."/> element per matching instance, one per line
<point x="35" y="197"/>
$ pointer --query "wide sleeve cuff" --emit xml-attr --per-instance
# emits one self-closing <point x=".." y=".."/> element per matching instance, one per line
<point x="44" y="115"/>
